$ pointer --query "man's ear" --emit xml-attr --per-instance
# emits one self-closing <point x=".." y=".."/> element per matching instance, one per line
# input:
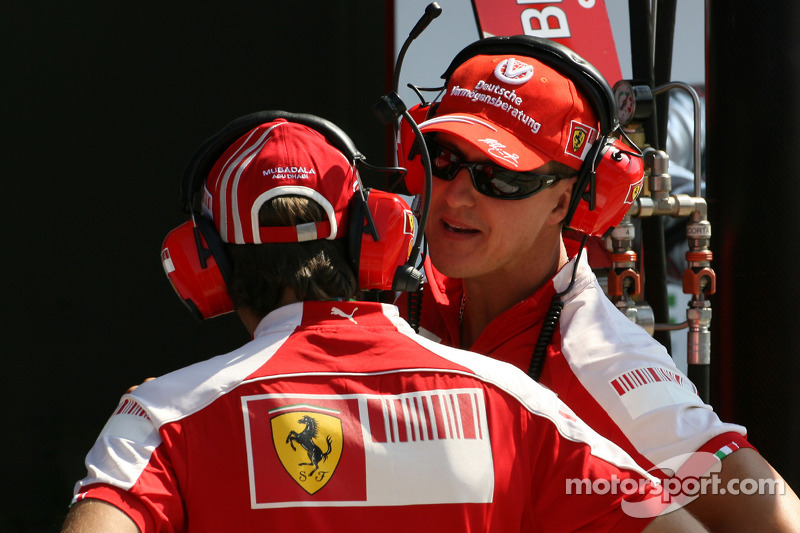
<point x="563" y="189"/>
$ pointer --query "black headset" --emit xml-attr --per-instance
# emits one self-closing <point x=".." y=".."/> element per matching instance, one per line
<point x="196" y="278"/>
<point x="200" y="164"/>
<point x="585" y="76"/>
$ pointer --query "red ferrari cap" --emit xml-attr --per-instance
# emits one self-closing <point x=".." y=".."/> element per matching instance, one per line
<point x="279" y="158"/>
<point x="518" y="111"/>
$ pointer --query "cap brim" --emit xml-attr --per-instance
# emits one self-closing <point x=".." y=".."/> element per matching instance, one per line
<point x="500" y="146"/>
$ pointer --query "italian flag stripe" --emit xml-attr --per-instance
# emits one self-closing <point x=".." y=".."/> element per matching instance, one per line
<point x="726" y="450"/>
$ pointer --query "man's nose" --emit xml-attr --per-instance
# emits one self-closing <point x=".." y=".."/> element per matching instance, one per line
<point x="459" y="191"/>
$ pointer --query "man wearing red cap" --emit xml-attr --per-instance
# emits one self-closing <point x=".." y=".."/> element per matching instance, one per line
<point x="508" y="138"/>
<point x="337" y="416"/>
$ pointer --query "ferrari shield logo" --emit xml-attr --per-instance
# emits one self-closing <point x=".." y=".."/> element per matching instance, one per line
<point x="578" y="138"/>
<point x="633" y="192"/>
<point x="408" y="229"/>
<point x="309" y="445"/>
<point x="581" y="138"/>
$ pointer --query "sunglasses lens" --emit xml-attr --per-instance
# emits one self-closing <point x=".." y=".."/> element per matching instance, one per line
<point x="507" y="184"/>
<point x="444" y="164"/>
<point x="490" y="180"/>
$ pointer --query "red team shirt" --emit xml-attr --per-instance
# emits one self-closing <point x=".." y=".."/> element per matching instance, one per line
<point x="610" y="371"/>
<point x="335" y="417"/>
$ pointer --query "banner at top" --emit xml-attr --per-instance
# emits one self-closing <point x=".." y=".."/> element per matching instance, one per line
<point x="581" y="25"/>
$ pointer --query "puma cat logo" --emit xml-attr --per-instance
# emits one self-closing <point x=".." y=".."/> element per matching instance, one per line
<point x="338" y="312"/>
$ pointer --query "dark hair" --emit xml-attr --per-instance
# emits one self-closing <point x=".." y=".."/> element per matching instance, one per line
<point x="314" y="270"/>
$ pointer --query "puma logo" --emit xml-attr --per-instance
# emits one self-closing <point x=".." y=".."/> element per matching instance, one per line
<point x="338" y="312"/>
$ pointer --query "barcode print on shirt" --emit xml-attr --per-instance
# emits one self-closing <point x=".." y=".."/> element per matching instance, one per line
<point x="130" y="407"/>
<point x="426" y="416"/>
<point x="634" y="379"/>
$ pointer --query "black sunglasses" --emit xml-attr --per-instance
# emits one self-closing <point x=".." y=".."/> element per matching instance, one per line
<point x="491" y="180"/>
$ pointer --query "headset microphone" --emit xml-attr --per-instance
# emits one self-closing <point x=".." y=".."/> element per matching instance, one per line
<point x="388" y="109"/>
<point x="432" y="11"/>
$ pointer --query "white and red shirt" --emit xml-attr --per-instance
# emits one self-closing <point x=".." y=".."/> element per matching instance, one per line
<point x="336" y="416"/>
<point x="610" y="371"/>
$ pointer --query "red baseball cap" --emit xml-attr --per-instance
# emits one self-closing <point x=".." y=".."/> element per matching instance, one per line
<point x="518" y="111"/>
<point x="279" y="158"/>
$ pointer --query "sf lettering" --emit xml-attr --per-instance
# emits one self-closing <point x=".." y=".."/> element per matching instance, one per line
<point x="317" y="475"/>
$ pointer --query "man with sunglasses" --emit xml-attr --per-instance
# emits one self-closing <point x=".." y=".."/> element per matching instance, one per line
<point x="507" y="140"/>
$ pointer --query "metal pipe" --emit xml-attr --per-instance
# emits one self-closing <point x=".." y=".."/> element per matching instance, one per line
<point x="671" y="327"/>
<point x="697" y="127"/>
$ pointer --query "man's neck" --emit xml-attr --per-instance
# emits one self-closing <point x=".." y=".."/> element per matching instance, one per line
<point x="251" y="320"/>
<point x="485" y="298"/>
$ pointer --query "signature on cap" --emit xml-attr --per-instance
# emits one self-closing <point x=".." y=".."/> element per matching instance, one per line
<point x="497" y="150"/>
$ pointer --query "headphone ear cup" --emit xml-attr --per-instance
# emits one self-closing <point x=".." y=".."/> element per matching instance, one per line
<point x="618" y="181"/>
<point x="195" y="262"/>
<point x="355" y="233"/>
<point x="215" y="246"/>
<point x="380" y="261"/>
<point x="408" y="155"/>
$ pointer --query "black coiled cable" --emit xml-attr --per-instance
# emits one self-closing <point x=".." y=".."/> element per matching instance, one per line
<point x="551" y="322"/>
<point x="415" y="307"/>
<point x="545" y="336"/>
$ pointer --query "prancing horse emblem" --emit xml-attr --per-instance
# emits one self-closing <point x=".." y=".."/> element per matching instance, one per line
<point x="295" y="432"/>
<point x="306" y="439"/>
